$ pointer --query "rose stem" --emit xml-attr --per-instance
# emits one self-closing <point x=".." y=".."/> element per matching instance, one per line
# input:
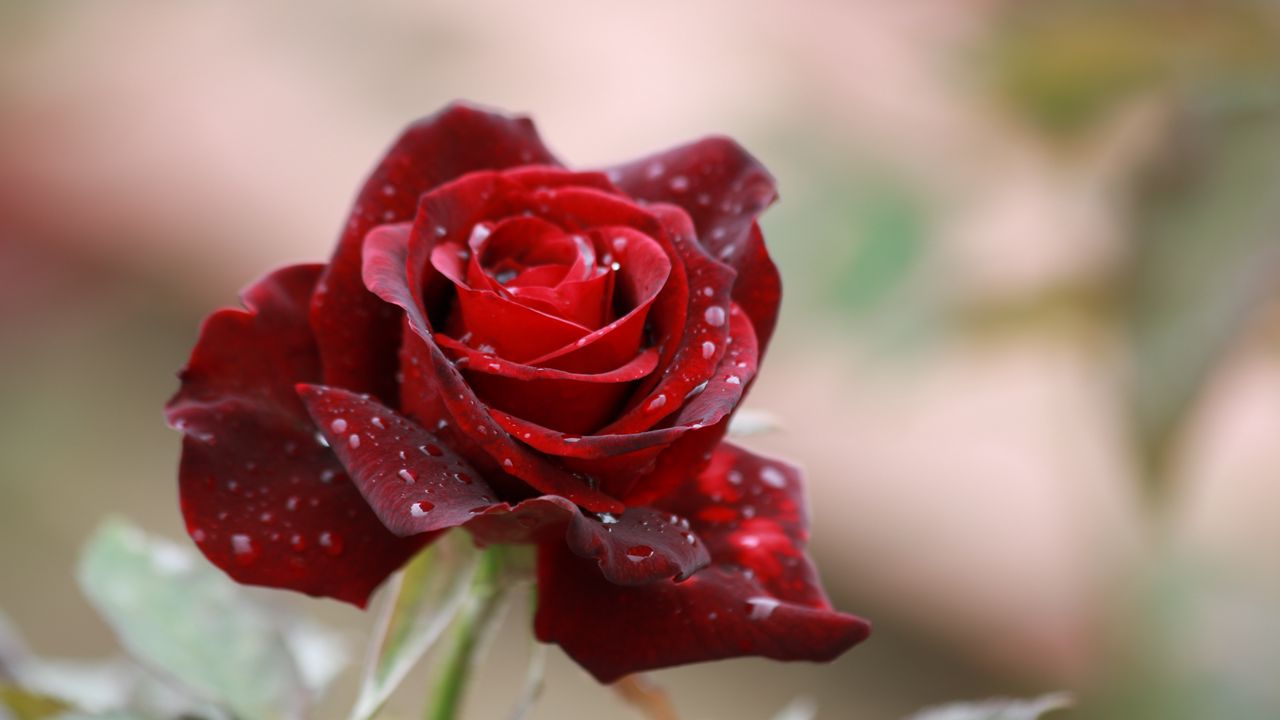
<point x="452" y="673"/>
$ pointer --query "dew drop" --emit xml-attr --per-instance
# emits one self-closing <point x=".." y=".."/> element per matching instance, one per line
<point x="291" y="503"/>
<point x="331" y="542"/>
<point x="760" y="608"/>
<point x="421" y="508"/>
<point x="338" y="425"/>
<point x="708" y="349"/>
<point x="407" y="476"/>
<point x="506" y="462"/>
<point x="639" y="552"/>
<point x="353" y="440"/>
<point x="655" y="170"/>
<point x="657" y="402"/>
<point x="327" y="475"/>
<point x="441" y="231"/>
<point x="608" y="518"/>
<point x="733" y="380"/>
<point x="572" y="438"/>
<point x="714" y="316"/>
<point x="679" y="183"/>
<point x="463" y="478"/>
<point x="619" y="244"/>
<point x="431" y="449"/>
<point x="297" y="542"/>
<point x="773" y="477"/>
<point x="198" y="535"/>
<point x="708" y="291"/>
<point x="377" y="422"/>
<point x="244" y="549"/>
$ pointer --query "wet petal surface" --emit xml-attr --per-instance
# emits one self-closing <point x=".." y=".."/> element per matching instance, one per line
<point x="263" y="496"/>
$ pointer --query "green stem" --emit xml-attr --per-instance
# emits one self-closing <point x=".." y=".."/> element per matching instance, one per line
<point x="454" y="668"/>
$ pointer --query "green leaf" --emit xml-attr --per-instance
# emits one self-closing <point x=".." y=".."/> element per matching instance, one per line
<point x="998" y="709"/>
<point x="419" y="603"/>
<point x="189" y="622"/>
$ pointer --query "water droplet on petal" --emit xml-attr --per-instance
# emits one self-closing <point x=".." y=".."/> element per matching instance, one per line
<point x="377" y="422"/>
<point x="338" y="425"/>
<point x="297" y="542"/>
<point x="407" y="476"/>
<point x="607" y="518"/>
<point x="244" y="549"/>
<point x="708" y="349"/>
<point x="639" y="552"/>
<point x="353" y="440"/>
<point x="714" y="316"/>
<point x="679" y="183"/>
<point x="331" y="542"/>
<point x="431" y="449"/>
<point x="760" y="608"/>
<point x="441" y="231"/>
<point x="658" y="402"/>
<point x="773" y="477"/>
<point x="420" y="508"/>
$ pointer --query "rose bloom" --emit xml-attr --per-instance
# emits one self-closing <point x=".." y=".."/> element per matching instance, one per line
<point x="534" y="354"/>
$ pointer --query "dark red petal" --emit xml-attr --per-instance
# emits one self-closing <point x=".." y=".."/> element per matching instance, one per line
<point x="414" y="483"/>
<point x="751" y="512"/>
<point x="612" y="630"/>
<point x="569" y="402"/>
<point x="694" y="334"/>
<point x="434" y="388"/>
<point x="263" y="498"/>
<point x="723" y="188"/>
<point x="635" y="547"/>
<point x="760" y="596"/>
<point x="356" y="332"/>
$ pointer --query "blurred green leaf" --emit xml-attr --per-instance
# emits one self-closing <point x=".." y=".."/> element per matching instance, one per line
<point x="420" y="602"/>
<point x="998" y="709"/>
<point x="25" y="705"/>
<point x="184" y="619"/>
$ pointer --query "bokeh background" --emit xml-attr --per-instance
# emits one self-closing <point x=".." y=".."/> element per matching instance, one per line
<point x="1030" y="349"/>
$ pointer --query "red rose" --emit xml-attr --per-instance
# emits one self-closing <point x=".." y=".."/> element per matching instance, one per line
<point x="537" y="355"/>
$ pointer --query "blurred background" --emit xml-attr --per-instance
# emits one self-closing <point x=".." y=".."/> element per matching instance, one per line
<point x="1030" y="349"/>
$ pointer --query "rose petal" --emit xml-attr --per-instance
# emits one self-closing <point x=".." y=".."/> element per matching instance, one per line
<point x="718" y="613"/>
<point x="696" y="333"/>
<point x="434" y="391"/>
<point x="569" y="402"/>
<point x="356" y="333"/>
<point x="634" y="547"/>
<point x="722" y="188"/>
<point x="760" y="596"/>
<point x="413" y="482"/>
<point x="264" y="500"/>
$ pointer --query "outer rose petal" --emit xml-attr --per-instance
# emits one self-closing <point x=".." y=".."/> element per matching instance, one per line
<point x="263" y="499"/>
<point x="356" y="332"/>
<point x="760" y="596"/>
<point x="723" y="188"/>
<point x="413" y="482"/>
<point x="636" y="547"/>
<point x="416" y="486"/>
